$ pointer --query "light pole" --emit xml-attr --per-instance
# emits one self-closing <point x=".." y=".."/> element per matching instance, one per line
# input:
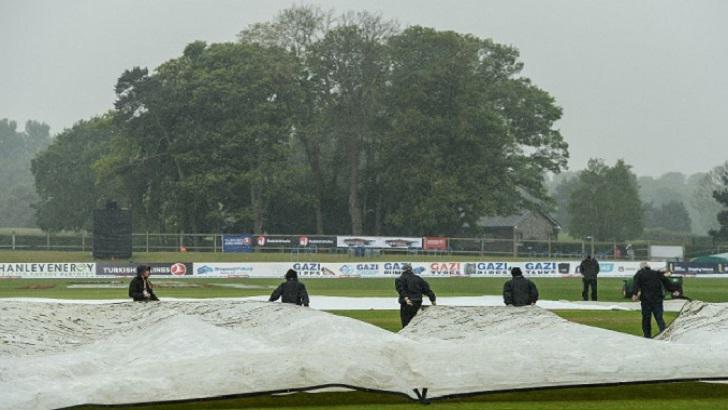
<point x="591" y="240"/>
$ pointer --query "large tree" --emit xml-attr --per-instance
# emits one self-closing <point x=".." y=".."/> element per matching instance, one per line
<point x="207" y="135"/>
<point x="467" y="135"/>
<point x="606" y="204"/>
<point x="721" y="195"/>
<point x="17" y="149"/>
<point x="64" y="176"/>
<point x="296" y="30"/>
<point x="350" y="70"/>
<point x="340" y="125"/>
<point x="346" y="68"/>
<point x="560" y="188"/>
<point x="694" y="191"/>
<point x="671" y="216"/>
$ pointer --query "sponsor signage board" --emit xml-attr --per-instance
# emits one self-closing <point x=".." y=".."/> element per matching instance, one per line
<point x="432" y="243"/>
<point x="616" y="268"/>
<point x="237" y="243"/>
<point x="47" y="270"/>
<point x="317" y="241"/>
<point x="535" y="268"/>
<point x="265" y="269"/>
<point x="295" y="241"/>
<point x="158" y="269"/>
<point x="697" y="268"/>
<point x="381" y="242"/>
<point x="240" y="269"/>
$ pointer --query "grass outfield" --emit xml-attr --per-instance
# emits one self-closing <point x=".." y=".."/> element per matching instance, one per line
<point x="619" y="321"/>
<point x="673" y="396"/>
<point x="610" y="289"/>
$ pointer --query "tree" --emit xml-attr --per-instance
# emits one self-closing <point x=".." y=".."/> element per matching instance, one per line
<point x="561" y="191"/>
<point x="206" y="136"/>
<point x="702" y="207"/>
<point x="466" y="135"/>
<point x="721" y="195"/>
<point x="296" y="30"/>
<point x="671" y="216"/>
<point x="345" y="72"/>
<point x="17" y="148"/>
<point x="340" y="125"/>
<point x="694" y="191"/>
<point x="606" y="204"/>
<point x="350" y="71"/>
<point x="64" y="176"/>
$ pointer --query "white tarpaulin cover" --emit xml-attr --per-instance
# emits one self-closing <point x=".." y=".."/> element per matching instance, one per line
<point x="388" y="303"/>
<point x="62" y="354"/>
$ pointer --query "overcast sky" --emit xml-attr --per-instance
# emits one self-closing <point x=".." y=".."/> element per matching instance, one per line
<point x="646" y="81"/>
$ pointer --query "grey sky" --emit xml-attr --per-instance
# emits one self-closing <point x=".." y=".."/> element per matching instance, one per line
<point x="646" y="81"/>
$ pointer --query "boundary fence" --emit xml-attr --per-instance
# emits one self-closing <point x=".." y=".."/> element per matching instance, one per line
<point x="559" y="249"/>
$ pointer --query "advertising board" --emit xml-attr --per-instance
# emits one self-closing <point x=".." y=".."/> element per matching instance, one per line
<point x="158" y="269"/>
<point x="237" y="243"/>
<point x="382" y="242"/>
<point x="47" y="270"/>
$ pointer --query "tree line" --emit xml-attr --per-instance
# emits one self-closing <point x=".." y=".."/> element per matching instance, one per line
<point x="313" y="123"/>
<point x="17" y="148"/>
<point x="611" y="203"/>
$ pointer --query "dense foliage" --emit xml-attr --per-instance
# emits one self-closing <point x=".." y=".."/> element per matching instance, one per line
<point x="315" y="124"/>
<point x="721" y="195"/>
<point x="17" y="148"/>
<point x="605" y="204"/>
<point x="65" y="179"/>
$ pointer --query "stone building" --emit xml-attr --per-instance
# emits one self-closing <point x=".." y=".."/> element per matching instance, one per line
<point x="526" y="225"/>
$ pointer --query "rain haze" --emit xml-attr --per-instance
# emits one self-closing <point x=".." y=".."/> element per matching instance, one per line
<point x="639" y="80"/>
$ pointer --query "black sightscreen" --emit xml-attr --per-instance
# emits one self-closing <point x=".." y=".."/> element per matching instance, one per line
<point x="112" y="233"/>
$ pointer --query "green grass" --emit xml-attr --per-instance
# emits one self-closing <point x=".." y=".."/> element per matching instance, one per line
<point x="610" y="289"/>
<point x="620" y="321"/>
<point x="22" y="231"/>
<point x="672" y="396"/>
<point x="386" y="319"/>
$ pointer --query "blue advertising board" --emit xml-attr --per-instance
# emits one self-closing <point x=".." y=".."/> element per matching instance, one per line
<point x="237" y="243"/>
<point x="697" y="268"/>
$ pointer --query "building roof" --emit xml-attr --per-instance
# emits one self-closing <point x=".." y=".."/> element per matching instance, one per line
<point x="509" y="221"/>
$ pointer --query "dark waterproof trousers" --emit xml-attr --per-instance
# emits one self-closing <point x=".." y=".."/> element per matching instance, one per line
<point x="407" y="312"/>
<point x="589" y="282"/>
<point x="650" y="308"/>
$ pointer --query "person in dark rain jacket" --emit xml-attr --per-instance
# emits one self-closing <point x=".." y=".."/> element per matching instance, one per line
<point x="589" y="269"/>
<point x="649" y="288"/>
<point x="519" y="291"/>
<point x="141" y="288"/>
<point x="291" y="291"/>
<point x="410" y="288"/>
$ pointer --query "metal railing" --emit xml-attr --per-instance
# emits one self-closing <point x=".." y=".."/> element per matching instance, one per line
<point x="563" y="249"/>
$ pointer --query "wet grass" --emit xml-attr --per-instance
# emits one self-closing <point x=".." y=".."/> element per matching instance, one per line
<point x="610" y="289"/>
<point x="668" y="396"/>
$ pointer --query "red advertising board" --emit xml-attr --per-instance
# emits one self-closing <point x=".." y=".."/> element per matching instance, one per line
<point x="435" y="243"/>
